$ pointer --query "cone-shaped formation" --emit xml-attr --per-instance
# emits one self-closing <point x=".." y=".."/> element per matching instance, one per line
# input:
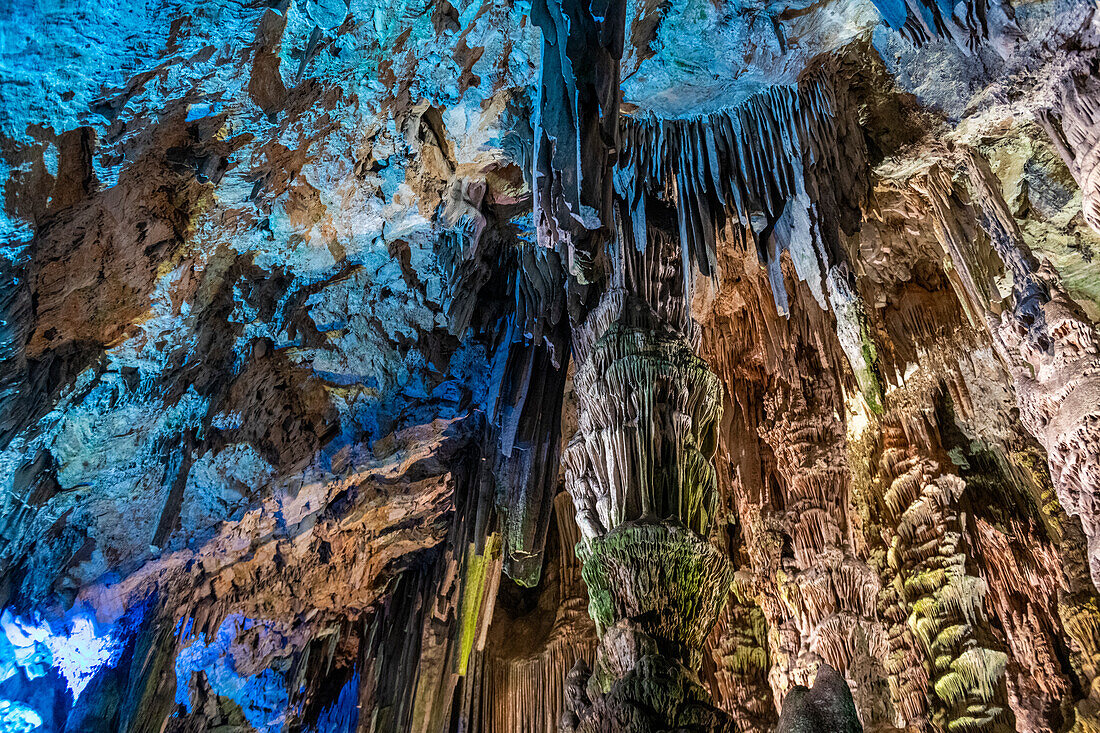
<point x="827" y="707"/>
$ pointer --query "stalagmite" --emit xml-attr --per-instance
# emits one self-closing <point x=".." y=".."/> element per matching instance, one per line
<point x="827" y="707"/>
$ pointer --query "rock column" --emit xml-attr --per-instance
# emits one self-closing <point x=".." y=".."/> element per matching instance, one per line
<point x="640" y="465"/>
<point x="639" y="469"/>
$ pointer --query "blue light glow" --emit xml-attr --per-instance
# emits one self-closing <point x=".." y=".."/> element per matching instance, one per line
<point x="15" y="717"/>
<point x="82" y="652"/>
<point x="262" y="697"/>
<point x="342" y="716"/>
<point x="78" y="649"/>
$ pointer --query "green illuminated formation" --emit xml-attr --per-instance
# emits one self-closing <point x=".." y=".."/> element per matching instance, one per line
<point x="946" y="613"/>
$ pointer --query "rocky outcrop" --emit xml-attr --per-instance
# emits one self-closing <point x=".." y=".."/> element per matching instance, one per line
<point x="1043" y="336"/>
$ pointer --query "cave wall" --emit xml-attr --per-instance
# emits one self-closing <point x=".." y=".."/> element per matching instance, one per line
<point x="294" y="298"/>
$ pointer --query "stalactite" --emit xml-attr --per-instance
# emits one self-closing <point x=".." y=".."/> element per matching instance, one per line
<point x="766" y="167"/>
<point x="576" y="127"/>
<point x="527" y="692"/>
<point x="783" y="172"/>
<point x="511" y="291"/>
<point x="970" y="25"/>
<point x="1021" y="603"/>
<point x="776" y="439"/>
<point x="527" y="464"/>
<point x="433" y="627"/>
<point x="775" y="168"/>
<point x="480" y="575"/>
<point x="393" y="644"/>
<point x="1053" y="352"/>
<point x="452" y="609"/>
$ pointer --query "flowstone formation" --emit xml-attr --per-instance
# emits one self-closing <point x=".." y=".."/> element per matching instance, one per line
<point x="494" y="366"/>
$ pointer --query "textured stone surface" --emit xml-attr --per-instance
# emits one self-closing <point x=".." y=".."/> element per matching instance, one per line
<point x="317" y="317"/>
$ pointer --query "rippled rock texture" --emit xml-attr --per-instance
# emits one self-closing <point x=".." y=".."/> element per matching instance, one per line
<point x="706" y="365"/>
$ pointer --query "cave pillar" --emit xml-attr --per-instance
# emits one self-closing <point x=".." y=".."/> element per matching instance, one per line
<point x="640" y="471"/>
<point x="639" y="467"/>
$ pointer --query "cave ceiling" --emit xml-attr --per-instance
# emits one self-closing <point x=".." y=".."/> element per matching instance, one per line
<point x="533" y="365"/>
